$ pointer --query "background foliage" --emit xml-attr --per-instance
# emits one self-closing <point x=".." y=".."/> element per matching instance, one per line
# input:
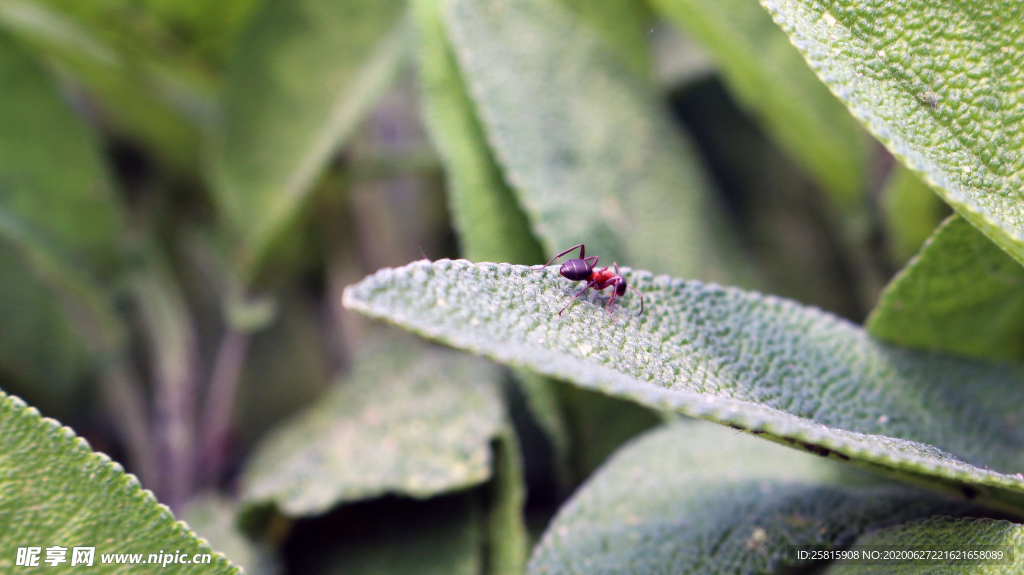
<point x="188" y="187"/>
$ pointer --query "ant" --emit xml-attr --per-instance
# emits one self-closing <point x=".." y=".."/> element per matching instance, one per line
<point x="582" y="269"/>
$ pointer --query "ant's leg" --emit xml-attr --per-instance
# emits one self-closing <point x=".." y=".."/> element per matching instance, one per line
<point x="641" y="299"/>
<point x="595" y="258"/>
<point x="611" y="301"/>
<point x="589" y="285"/>
<point x="580" y="246"/>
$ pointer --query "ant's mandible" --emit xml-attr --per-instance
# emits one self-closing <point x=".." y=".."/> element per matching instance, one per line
<point x="582" y="269"/>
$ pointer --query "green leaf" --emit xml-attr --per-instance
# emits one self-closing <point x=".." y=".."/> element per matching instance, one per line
<point x="41" y="356"/>
<point x="692" y="497"/>
<point x="507" y="537"/>
<point x="768" y="76"/>
<point x="306" y="72"/>
<point x="583" y="141"/>
<point x="61" y="224"/>
<point x="942" y="532"/>
<point x="799" y="375"/>
<point x="409" y="420"/>
<point x="962" y="294"/>
<point x="489" y="222"/>
<point x="599" y="424"/>
<point x="52" y="175"/>
<point x="136" y="101"/>
<point x="214" y="518"/>
<point x="623" y="26"/>
<point x="912" y="212"/>
<point x="545" y="407"/>
<point x="938" y="87"/>
<point x="57" y="492"/>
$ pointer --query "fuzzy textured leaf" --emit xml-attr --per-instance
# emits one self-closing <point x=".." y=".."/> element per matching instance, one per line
<point x="58" y="492"/>
<point x="409" y="420"/>
<point x="962" y="294"/>
<point x="306" y="72"/>
<point x="943" y="531"/>
<point x="938" y="86"/>
<point x="658" y="504"/>
<point x="798" y="375"/>
<point x="583" y="141"/>
<point x="485" y="213"/>
<point x="770" y="78"/>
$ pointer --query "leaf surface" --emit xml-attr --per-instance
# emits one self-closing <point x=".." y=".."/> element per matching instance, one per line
<point x="583" y="141"/>
<point x="58" y="492"/>
<point x="962" y="294"/>
<point x="770" y="78"/>
<point x="305" y="74"/>
<point x="697" y="498"/>
<point x="137" y="100"/>
<point x="56" y="199"/>
<point x="938" y="86"/>
<point x="485" y="212"/>
<point x="409" y="420"/>
<point x="52" y="176"/>
<point x="944" y="531"/>
<point x="797" y="374"/>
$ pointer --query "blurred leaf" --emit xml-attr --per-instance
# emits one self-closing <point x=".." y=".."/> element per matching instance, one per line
<point x="52" y="174"/>
<point x="912" y="212"/>
<point x="545" y="407"/>
<point x="801" y="376"/>
<point x="41" y="356"/>
<point x="490" y="225"/>
<point x="679" y="59"/>
<point x="145" y="30"/>
<point x="59" y="492"/>
<point x="598" y="425"/>
<point x="409" y="420"/>
<point x="623" y="25"/>
<point x="583" y="141"/>
<point x="693" y="497"/>
<point x="204" y="29"/>
<point x="440" y="536"/>
<point x="305" y="73"/>
<point x="59" y="216"/>
<point x="938" y="87"/>
<point x="962" y="294"/>
<point x="507" y="538"/>
<point x="286" y="369"/>
<point x="782" y="214"/>
<point x="134" y="103"/>
<point x="214" y="518"/>
<point x="942" y="532"/>
<point x="771" y="80"/>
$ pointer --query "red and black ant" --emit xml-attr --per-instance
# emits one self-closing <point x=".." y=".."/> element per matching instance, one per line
<point x="582" y="269"/>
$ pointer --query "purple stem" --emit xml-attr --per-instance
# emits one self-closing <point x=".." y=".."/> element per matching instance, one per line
<point x="220" y="403"/>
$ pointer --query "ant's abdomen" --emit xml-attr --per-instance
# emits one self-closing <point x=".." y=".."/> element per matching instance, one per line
<point x="575" y="270"/>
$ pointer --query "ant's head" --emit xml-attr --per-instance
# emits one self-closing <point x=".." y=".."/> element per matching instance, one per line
<point x="576" y="270"/>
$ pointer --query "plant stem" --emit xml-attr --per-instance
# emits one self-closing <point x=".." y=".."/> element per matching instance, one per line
<point x="121" y="392"/>
<point x="220" y="402"/>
